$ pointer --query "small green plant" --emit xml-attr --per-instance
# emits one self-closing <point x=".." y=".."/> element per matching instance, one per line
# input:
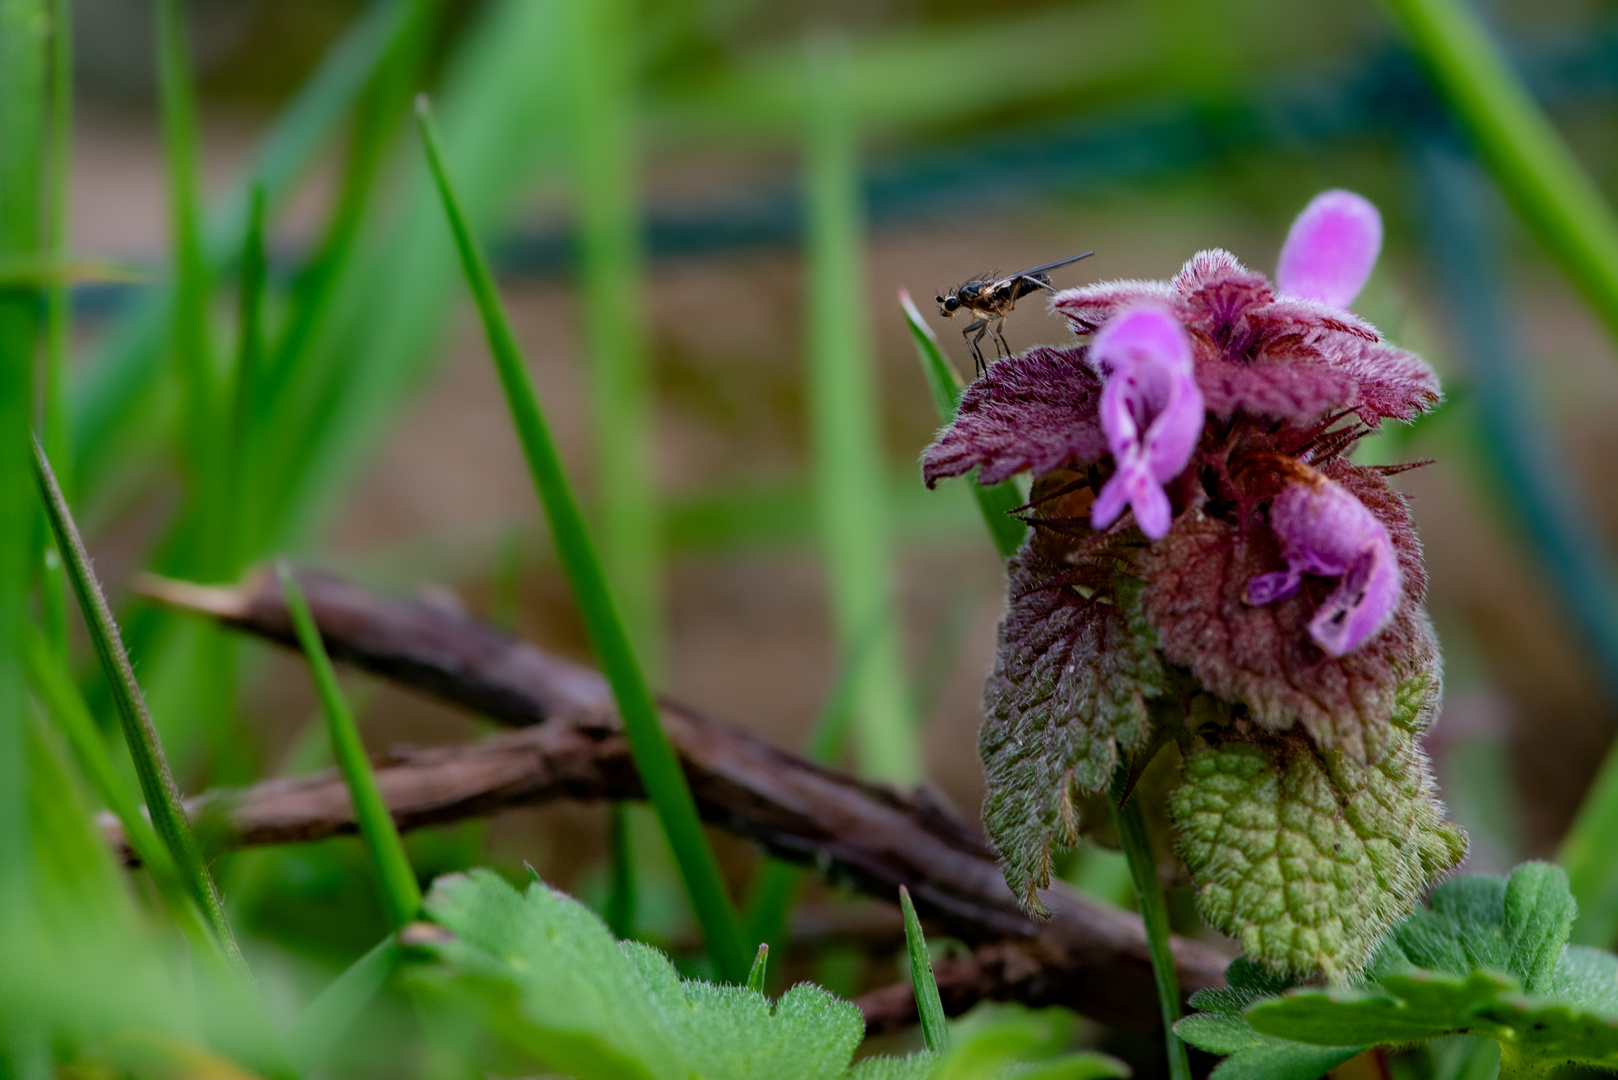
<point x="1485" y="957"/>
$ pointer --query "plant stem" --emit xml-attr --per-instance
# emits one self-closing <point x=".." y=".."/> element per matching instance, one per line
<point x="659" y="768"/>
<point x="1137" y="845"/>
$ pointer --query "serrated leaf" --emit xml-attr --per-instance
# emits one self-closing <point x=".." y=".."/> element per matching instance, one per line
<point x="1074" y="671"/>
<point x="581" y="1002"/>
<point x="1303" y="855"/>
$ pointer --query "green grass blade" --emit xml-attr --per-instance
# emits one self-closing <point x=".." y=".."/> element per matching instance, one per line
<point x="775" y="885"/>
<point x="395" y="881"/>
<point x="202" y="442"/>
<point x="129" y="358"/>
<point x="934" y="1027"/>
<point x="659" y="768"/>
<point x="845" y="426"/>
<point x="58" y="311"/>
<point x="24" y="105"/>
<point x="996" y="503"/>
<point x="1533" y="165"/>
<point x="246" y="389"/>
<point x="157" y="784"/>
<point x="324" y="1021"/>
<point x="612" y="278"/>
<point x="755" y="977"/>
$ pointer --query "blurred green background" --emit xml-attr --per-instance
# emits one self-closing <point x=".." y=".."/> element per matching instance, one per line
<point x="702" y="212"/>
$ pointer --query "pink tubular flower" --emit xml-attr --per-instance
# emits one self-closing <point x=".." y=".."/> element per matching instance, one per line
<point x="1327" y="532"/>
<point x="1151" y="411"/>
<point x="1330" y="249"/>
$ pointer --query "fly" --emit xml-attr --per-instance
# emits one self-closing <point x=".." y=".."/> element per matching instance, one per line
<point x="991" y="300"/>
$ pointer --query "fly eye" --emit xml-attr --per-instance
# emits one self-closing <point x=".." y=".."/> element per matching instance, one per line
<point x="952" y="303"/>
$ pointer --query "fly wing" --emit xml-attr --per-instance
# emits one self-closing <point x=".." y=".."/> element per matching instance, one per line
<point x="1057" y="265"/>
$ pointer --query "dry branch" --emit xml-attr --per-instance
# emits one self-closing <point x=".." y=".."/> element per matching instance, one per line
<point x="870" y="836"/>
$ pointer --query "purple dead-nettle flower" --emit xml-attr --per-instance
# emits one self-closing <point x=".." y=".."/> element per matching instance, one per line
<point x="1151" y="411"/>
<point x="1260" y="611"/>
<point x="1327" y="532"/>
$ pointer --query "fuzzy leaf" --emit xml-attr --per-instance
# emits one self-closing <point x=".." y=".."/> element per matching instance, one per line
<point x="582" y="1003"/>
<point x="1037" y="410"/>
<point x="1307" y="857"/>
<point x="1262" y="655"/>
<point x="1070" y="686"/>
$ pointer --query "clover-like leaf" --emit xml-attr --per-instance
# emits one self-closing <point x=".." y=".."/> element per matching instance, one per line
<point x="1500" y="969"/>
<point x="1072" y="678"/>
<point x="1222" y="1029"/>
<point x="1305" y="856"/>
<point x="562" y="989"/>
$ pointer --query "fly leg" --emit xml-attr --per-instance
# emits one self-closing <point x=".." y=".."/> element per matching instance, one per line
<point x="979" y="367"/>
<point x="997" y="331"/>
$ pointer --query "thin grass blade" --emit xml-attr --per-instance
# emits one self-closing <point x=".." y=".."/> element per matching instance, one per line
<point x="140" y="734"/>
<point x="934" y="1025"/>
<point x="845" y="428"/>
<point x="775" y="885"/>
<point x="755" y="977"/>
<point x="996" y="503"/>
<point x="654" y="756"/>
<point x="395" y="881"/>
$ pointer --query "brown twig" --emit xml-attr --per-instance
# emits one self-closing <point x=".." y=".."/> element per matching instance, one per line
<point x="870" y="836"/>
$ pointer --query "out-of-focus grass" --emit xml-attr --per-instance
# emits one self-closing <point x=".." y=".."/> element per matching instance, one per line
<point x="24" y="105"/>
<point x="603" y="139"/>
<point x="1545" y="182"/>
<point x="846" y="438"/>
<point x="654" y="756"/>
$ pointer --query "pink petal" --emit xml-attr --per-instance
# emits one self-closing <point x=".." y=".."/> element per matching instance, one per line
<point x="1331" y="249"/>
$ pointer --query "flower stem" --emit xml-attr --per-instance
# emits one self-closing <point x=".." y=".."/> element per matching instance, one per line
<point x="1154" y="912"/>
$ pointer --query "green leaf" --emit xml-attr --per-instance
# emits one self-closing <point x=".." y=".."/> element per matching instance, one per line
<point x="1222" y="1029"/>
<point x="912" y="1067"/>
<point x="1485" y="939"/>
<point x="565" y="991"/>
<point x="1305" y="856"/>
<point x="654" y="755"/>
